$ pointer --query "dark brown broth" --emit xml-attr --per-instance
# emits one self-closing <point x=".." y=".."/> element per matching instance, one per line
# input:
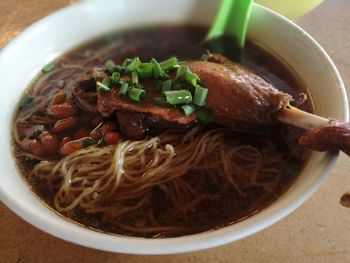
<point x="184" y="42"/>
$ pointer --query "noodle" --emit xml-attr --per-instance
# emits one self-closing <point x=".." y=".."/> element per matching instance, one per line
<point x="117" y="180"/>
<point x="175" y="183"/>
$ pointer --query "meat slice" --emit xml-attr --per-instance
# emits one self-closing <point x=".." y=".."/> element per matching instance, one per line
<point x="238" y="96"/>
<point x="85" y="97"/>
<point x="135" y="125"/>
<point x="84" y="90"/>
<point x="335" y="136"/>
<point x="110" y="102"/>
<point x="135" y="119"/>
<point x="132" y="125"/>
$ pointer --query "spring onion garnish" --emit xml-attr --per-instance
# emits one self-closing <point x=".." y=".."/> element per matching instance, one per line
<point x="157" y="69"/>
<point x="49" y="67"/>
<point x="177" y="85"/>
<point x="88" y="142"/>
<point x="200" y="95"/>
<point x="205" y="57"/>
<point x="97" y="74"/>
<point x="166" y="85"/>
<point x="100" y="142"/>
<point x="181" y="72"/>
<point x="146" y="29"/>
<point x="138" y="85"/>
<point x="291" y="169"/>
<point x="175" y="97"/>
<point x="124" y="89"/>
<point x="160" y="101"/>
<point x="102" y="87"/>
<point x="115" y="77"/>
<point x="136" y="94"/>
<point x="110" y="66"/>
<point x="126" y="62"/>
<point x="107" y="81"/>
<point x="169" y="63"/>
<point x="183" y="93"/>
<point x="159" y="85"/>
<point x="94" y="75"/>
<point x="204" y="114"/>
<point x="191" y="77"/>
<point x="133" y="65"/>
<point x="112" y="36"/>
<point x="25" y="102"/>
<point x="145" y="70"/>
<point x="187" y="109"/>
<point x="134" y="77"/>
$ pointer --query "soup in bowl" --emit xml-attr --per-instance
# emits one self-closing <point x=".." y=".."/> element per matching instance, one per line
<point x="123" y="138"/>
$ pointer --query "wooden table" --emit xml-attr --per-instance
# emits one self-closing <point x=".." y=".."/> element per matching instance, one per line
<point x="318" y="231"/>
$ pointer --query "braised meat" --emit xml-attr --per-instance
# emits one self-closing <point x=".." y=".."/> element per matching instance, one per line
<point x="110" y="102"/>
<point x="334" y="136"/>
<point x="135" y="119"/>
<point x="230" y="91"/>
<point x="84" y="90"/>
<point x="237" y="95"/>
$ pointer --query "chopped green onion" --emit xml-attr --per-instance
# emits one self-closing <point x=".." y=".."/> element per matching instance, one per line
<point x="126" y="62"/>
<point x="138" y="85"/>
<point x="166" y="85"/>
<point x="107" y="81"/>
<point x="110" y="66"/>
<point x="124" y="89"/>
<point x="102" y="87"/>
<point x="115" y="77"/>
<point x="97" y="74"/>
<point x="134" y="77"/>
<point x="94" y="75"/>
<point x="181" y="72"/>
<point x="175" y="97"/>
<point x="184" y="73"/>
<point x="88" y="142"/>
<point x="136" y="94"/>
<point x="145" y="29"/>
<point x="291" y="169"/>
<point x="133" y="65"/>
<point x="177" y="85"/>
<point x="204" y="114"/>
<point x="26" y="102"/>
<point x="145" y="70"/>
<point x="49" y="67"/>
<point x="112" y="36"/>
<point x="191" y="77"/>
<point x="100" y="142"/>
<point x="159" y="85"/>
<point x="200" y="95"/>
<point x="119" y="68"/>
<point x="187" y="109"/>
<point x="160" y="101"/>
<point x="168" y="64"/>
<point x="157" y="69"/>
<point x="205" y="57"/>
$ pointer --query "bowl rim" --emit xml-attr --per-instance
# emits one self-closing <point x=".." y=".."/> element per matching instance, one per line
<point x="137" y="245"/>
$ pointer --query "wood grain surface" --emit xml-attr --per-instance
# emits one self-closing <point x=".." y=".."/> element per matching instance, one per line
<point x="318" y="231"/>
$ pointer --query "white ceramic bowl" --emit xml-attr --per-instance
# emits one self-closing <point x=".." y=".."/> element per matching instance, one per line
<point x="47" y="39"/>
